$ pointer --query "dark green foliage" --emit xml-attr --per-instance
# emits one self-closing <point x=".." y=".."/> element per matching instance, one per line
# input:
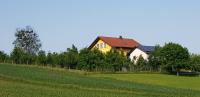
<point x="195" y="62"/>
<point x="17" y="55"/>
<point x="116" y="61"/>
<point x="62" y="58"/>
<point x="41" y="58"/>
<point x="142" y="64"/>
<point x="71" y="57"/>
<point x="99" y="60"/>
<point x="91" y="60"/>
<point x="53" y="59"/>
<point x="3" y="57"/>
<point x="27" y="39"/>
<point x="68" y="59"/>
<point x="49" y="58"/>
<point x="26" y="47"/>
<point x="175" y="56"/>
<point x="84" y="56"/>
<point x="171" y="57"/>
<point x="94" y="60"/>
<point x="29" y="58"/>
<point x="154" y="60"/>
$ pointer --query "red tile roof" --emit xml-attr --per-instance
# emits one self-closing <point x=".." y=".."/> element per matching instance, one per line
<point x="117" y="42"/>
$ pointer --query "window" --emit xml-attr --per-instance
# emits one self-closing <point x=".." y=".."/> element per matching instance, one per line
<point x="97" y="45"/>
<point x="134" y="57"/>
<point x="104" y="45"/>
<point x="101" y="45"/>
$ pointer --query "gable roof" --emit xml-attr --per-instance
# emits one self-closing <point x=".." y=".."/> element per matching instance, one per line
<point x="146" y="49"/>
<point x="117" y="42"/>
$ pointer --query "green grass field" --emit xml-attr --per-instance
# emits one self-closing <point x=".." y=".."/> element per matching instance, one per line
<point x="157" y="79"/>
<point x="35" y="81"/>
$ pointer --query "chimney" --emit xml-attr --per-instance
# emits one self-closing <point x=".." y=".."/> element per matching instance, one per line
<point x="120" y="37"/>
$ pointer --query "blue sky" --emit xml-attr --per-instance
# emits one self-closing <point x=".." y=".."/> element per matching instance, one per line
<point x="61" y="23"/>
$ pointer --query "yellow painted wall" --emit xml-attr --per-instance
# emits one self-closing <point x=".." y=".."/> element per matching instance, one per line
<point x="124" y="50"/>
<point x="104" y="50"/>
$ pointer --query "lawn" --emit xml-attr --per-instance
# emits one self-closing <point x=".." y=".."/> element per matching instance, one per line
<point x="35" y="81"/>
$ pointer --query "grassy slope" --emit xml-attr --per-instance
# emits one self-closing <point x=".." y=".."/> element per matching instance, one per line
<point x="33" y="81"/>
<point x="158" y="79"/>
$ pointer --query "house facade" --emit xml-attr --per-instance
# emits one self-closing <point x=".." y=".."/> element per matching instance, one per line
<point x="105" y="44"/>
<point x="142" y="51"/>
<point x="129" y="47"/>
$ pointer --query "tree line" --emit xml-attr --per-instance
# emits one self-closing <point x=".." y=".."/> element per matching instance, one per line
<point x="85" y="59"/>
<point x="171" y="57"/>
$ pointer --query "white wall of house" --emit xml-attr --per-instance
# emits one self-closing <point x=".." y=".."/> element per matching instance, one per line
<point x="135" y="54"/>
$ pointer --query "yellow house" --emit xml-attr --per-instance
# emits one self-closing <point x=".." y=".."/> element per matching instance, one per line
<point x="105" y="44"/>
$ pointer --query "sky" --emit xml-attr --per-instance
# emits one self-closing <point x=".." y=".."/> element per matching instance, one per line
<point x="61" y="23"/>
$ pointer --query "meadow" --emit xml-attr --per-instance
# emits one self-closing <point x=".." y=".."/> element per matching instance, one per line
<point x="36" y="81"/>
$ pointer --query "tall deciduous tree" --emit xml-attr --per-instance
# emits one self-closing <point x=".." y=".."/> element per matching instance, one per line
<point x="27" y="39"/>
<point x="175" y="56"/>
